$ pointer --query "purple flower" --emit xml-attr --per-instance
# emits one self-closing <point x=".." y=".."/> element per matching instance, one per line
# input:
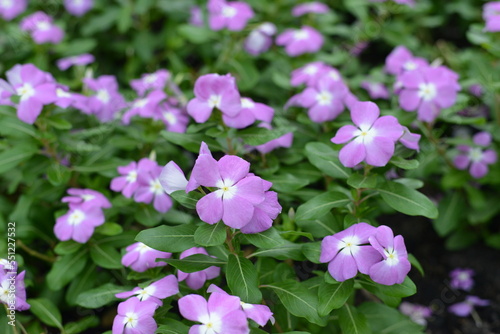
<point x="34" y="87"/>
<point x="309" y="74"/>
<point x="172" y="178"/>
<point x="161" y="289"/>
<point x="376" y="90"/>
<point x="310" y="7"/>
<point x="417" y="313"/>
<point x="401" y="60"/>
<point x="106" y="102"/>
<point x="78" y="223"/>
<point x="300" y="41"/>
<point x="78" y="7"/>
<point x="145" y="106"/>
<point x="428" y="90"/>
<point x="232" y="15"/>
<point x="64" y="98"/>
<point x="491" y="14"/>
<point x="42" y="28"/>
<point x="462" y="279"/>
<point x="150" y="189"/>
<point x="250" y="112"/>
<point x="220" y="315"/>
<point x="283" y="141"/>
<point x="475" y="157"/>
<point x="13" y="299"/>
<point x="196" y="18"/>
<point x="346" y="252"/>
<point x="261" y="314"/>
<point x="135" y="317"/>
<point x="373" y="139"/>
<point x="476" y="90"/>
<point x="151" y="81"/>
<point x="175" y="119"/>
<point x="127" y="183"/>
<point x="260" y="39"/>
<point x="9" y="9"/>
<point x="466" y="307"/>
<point x="86" y="198"/>
<point x="214" y="91"/>
<point x="197" y="279"/>
<point x="395" y="265"/>
<point x="140" y="257"/>
<point x="81" y="60"/>
<point x="410" y="140"/>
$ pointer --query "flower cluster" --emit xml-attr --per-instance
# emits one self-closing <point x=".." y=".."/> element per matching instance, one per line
<point x="84" y="215"/>
<point x="477" y="157"/>
<point x="370" y="250"/>
<point x="42" y="28"/>
<point x="141" y="180"/>
<point x="239" y="198"/>
<point x="12" y="289"/>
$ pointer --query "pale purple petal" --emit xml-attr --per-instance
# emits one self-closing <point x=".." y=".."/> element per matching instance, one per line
<point x="237" y="211"/>
<point x="353" y="153"/>
<point x="193" y="307"/>
<point x="210" y="208"/>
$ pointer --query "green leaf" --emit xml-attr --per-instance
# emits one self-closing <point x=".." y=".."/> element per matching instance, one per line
<point x="403" y="163"/>
<point x="257" y="136"/>
<point x="242" y="279"/>
<point x="320" y="205"/>
<point x="416" y="264"/>
<point x="194" y="263"/>
<point x="323" y="226"/>
<point x="46" y="311"/>
<point x="65" y="269"/>
<point x="12" y="157"/>
<point x="190" y="141"/>
<point x="351" y="321"/>
<point x="267" y="239"/>
<point x="312" y="251"/>
<point x="451" y="211"/>
<point x="67" y="247"/>
<point x="333" y="296"/>
<point x="407" y="200"/>
<point x="100" y="296"/>
<point x="109" y="228"/>
<point x="210" y="235"/>
<point x="288" y="250"/>
<point x="188" y="200"/>
<point x="387" y="320"/>
<point x="81" y="283"/>
<point x="287" y="182"/>
<point x="358" y="181"/>
<point x="147" y="215"/>
<point x="405" y="289"/>
<point x="58" y="174"/>
<point x="171" y="326"/>
<point x="297" y="299"/>
<point x="245" y="71"/>
<point x="196" y="35"/>
<point x="172" y="239"/>
<point x="59" y="123"/>
<point x="105" y="256"/>
<point x="81" y="325"/>
<point x="326" y="160"/>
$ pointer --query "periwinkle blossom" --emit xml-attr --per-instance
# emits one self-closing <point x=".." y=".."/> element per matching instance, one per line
<point x="372" y="139"/>
<point x="86" y="198"/>
<point x="196" y="17"/>
<point x="144" y="106"/>
<point x="197" y="279"/>
<point x="127" y="182"/>
<point x="476" y="158"/>
<point x="428" y="90"/>
<point x="250" y="112"/>
<point x="462" y="278"/>
<point x="135" y="317"/>
<point x="260" y="39"/>
<point x="401" y="60"/>
<point x="78" y="223"/>
<point x="232" y="15"/>
<point x="155" y="292"/>
<point x="417" y="313"/>
<point x="64" y="98"/>
<point x="310" y="7"/>
<point x="491" y="15"/>
<point x="42" y="28"/>
<point x="261" y="314"/>
<point x="395" y="264"/>
<point x="214" y="91"/>
<point x="466" y="307"/>
<point x="221" y="314"/>
<point x="9" y="9"/>
<point x="78" y="7"/>
<point x="151" y="81"/>
<point x="140" y="257"/>
<point x="35" y="88"/>
<point x="348" y="252"/>
<point x="283" y="141"/>
<point x="80" y="60"/>
<point x="376" y="90"/>
<point x="410" y="139"/>
<point x="300" y="41"/>
<point x="14" y="299"/>
<point x="175" y="119"/>
<point x="308" y="74"/>
<point x="106" y="102"/>
<point x="150" y="189"/>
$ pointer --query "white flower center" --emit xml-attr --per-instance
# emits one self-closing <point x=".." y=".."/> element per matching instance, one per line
<point x="145" y="293"/>
<point x="226" y="189"/>
<point x="427" y="91"/>
<point x="132" y="176"/>
<point x="247" y="103"/>
<point x="365" y="134"/>
<point x="76" y="217"/>
<point x="155" y="187"/>
<point x="143" y="248"/>
<point x="150" y="78"/>
<point x="476" y="154"/>
<point x="140" y="103"/>
<point x="300" y="35"/>
<point x="391" y="256"/>
<point x="103" y="96"/>
<point x="87" y="197"/>
<point x="334" y="75"/>
<point x="61" y="93"/>
<point x="351" y="244"/>
<point x="42" y="25"/>
<point x="214" y="101"/>
<point x="268" y="28"/>
<point x="131" y="319"/>
<point x="6" y="4"/>
<point x="212" y="323"/>
<point x="410" y="65"/>
<point x="311" y="69"/>
<point x="463" y="276"/>
<point x="26" y="91"/>
<point x="170" y="117"/>
<point x="228" y="11"/>
<point x="324" y="98"/>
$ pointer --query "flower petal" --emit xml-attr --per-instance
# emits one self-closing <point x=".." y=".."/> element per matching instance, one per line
<point x="237" y="211"/>
<point x="194" y="308"/>
<point x="210" y="208"/>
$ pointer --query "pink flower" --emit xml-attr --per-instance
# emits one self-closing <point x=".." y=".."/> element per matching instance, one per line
<point x="417" y="313"/>
<point x="220" y="315"/>
<point x="86" y="198"/>
<point x="175" y="119"/>
<point x="81" y="60"/>
<point x="465" y="308"/>
<point x="78" y="223"/>
<point x="409" y="139"/>
<point x="395" y="265"/>
<point x="347" y="252"/>
<point x="283" y="141"/>
<point x="140" y="257"/>
<point x="150" y="189"/>
<point x="145" y="106"/>
<point x="197" y="279"/>
<point x="78" y="7"/>
<point x="16" y="297"/>
<point x="462" y="279"/>
<point x="376" y="90"/>
<point x="42" y="28"/>
<point x="232" y="15"/>
<point x="373" y="139"/>
<point x="127" y="183"/>
<point x="250" y="112"/>
<point x="260" y="39"/>
<point x="161" y="289"/>
<point x="428" y="90"/>
<point x="214" y="91"/>
<point x="196" y="18"/>
<point x="9" y="9"/>
<point x="401" y="60"/>
<point x="135" y="317"/>
<point x="310" y="7"/>
<point x="107" y="101"/>
<point x="300" y="41"/>
<point x="172" y="178"/>
<point x="475" y="157"/>
<point x="151" y="81"/>
<point x="311" y="73"/>
<point x="491" y="14"/>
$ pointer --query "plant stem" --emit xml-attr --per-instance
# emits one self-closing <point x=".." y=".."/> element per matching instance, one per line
<point x="34" y="253"/>
<point x="229" y="240"/>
